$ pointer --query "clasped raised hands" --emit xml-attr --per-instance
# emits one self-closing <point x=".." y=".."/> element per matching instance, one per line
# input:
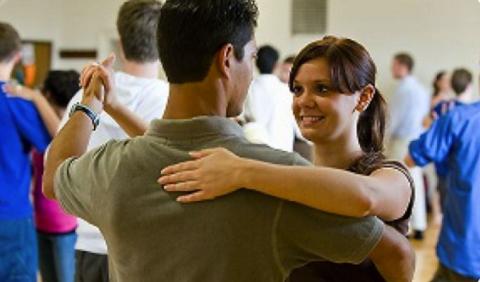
<point x="98" y="83"/>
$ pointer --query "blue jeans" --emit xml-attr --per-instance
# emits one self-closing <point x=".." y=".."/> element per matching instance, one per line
<point x="18" y="249"/>
<point x="57" y="256"/>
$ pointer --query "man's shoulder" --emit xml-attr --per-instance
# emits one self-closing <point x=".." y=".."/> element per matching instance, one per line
<point x="464" y="113"/>
<point x="268" y="154"/>
<point x="21" y="108"/>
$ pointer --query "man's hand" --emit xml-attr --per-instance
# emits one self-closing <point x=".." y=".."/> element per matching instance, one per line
<point x="445" y="107"/>
<point x="17" y="90"/>
<point x="100" y="74"/>
<point x="96" y="74"/>
<point x="94" y="94"/>
<point x="409" y="161"/>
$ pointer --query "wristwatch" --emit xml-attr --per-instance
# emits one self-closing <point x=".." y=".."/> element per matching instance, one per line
<point x="89" y="112"/>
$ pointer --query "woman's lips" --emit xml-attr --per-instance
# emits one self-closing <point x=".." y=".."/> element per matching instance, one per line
<point x="310" y="120"/>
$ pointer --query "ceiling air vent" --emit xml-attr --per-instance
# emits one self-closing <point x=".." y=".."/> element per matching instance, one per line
<point x="309" y="16"/>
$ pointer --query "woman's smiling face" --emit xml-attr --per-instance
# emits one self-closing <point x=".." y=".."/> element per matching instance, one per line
<point x="322" y="113"/>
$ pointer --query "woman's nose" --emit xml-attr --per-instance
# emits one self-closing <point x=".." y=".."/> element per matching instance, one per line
<point x="305" y="100"/>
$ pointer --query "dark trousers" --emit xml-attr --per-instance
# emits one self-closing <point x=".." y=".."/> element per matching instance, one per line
<point x="90" y="267"/>
<point x="444" y="274"/>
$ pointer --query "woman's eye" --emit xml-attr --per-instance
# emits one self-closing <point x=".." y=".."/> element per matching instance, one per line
<point x="297" y="90"/>
<point x="321" y="89"/>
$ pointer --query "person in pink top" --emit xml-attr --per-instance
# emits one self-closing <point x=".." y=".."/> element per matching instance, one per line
<point x="55" y="228"/>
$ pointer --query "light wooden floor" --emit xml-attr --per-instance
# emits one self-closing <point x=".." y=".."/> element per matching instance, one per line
<point x="426" y="257"/>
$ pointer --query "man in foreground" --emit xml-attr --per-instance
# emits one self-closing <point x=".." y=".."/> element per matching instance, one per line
<point x="207" y="48"/>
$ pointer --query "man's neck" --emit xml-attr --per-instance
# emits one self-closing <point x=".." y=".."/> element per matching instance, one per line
<point x="191" y="100"/>
<point x="404" y="77"/>
<point x="5" y="71"/>
<point x="144" y="70"/>
<point x="465" y="97"/>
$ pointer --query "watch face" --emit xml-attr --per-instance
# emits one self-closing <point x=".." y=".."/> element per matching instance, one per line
<point x="73" y="109"/>
<point x="95" y="118"/>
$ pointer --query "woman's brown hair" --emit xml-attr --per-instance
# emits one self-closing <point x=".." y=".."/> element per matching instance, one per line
<point x="438" y="77"/>
<point x="351" y="69"/>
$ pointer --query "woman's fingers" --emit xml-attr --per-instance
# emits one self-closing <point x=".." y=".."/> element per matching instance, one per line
<point x="207" y="152"/>
<point x="104" y="76"/>
<point x="451" y="105"/>
<point x="87" y="76"/>
<point x="177" y="177"/>
<point x="109" y="61"/>
<point x="84" y="71"/>
<point x="188" y="165"/>
<point x="7" y="87"/>
<point x="95" y="88"/>
<point x="194" y="197"/>
<point x="187" y="186"/>
<point x="198" y="154"/>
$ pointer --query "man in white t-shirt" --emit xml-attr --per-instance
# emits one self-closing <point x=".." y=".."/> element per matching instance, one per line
<point x="139" y="89"/>
<point x="268" y="108"/>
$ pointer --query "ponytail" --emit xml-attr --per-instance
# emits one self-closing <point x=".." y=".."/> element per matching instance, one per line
<point x="371" y="125"/>
<point x="371" y="133"/>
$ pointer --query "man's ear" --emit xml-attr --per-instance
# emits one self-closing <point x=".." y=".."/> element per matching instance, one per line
<point x="224" y="59"/>
<point x="366" y="96"/>
<point x="16" y="57"/>
<point x="121" y="51"/>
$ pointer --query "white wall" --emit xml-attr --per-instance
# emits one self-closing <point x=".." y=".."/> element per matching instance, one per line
<point x="88" y="24"/>
<point x="30" y="19"/>
<point x="440" y="34"/>
<point x="69" y="24"/>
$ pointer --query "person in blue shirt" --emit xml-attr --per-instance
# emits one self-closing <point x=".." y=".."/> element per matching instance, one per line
<point x="21" y="128"/>
<point x="462" y="85"/>
<point x="453" y="140"/>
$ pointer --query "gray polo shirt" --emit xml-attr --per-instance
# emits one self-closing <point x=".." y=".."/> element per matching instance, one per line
<point x="244" y="236"/>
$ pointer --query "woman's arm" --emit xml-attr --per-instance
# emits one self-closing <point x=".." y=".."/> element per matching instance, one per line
<point x="47" y="113"/>
<point x="132" y="124"/>
<point x="385" y="193"/>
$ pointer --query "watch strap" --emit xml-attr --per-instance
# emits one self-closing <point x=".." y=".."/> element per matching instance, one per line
<point x="88" y="111"/>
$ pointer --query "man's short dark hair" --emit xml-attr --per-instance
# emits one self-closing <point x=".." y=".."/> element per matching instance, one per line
<point x="10" y="42"/>
<point x="190" y="32"/>
<point x="267" y="58"/>
<point x="461" y="79"/>
<point x="61" y="86"/>
<point x="406" y="60"/>
<point x="137" y="25"/>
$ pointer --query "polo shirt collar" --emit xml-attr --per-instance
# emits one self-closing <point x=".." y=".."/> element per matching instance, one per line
<point x="203" y="126"/>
